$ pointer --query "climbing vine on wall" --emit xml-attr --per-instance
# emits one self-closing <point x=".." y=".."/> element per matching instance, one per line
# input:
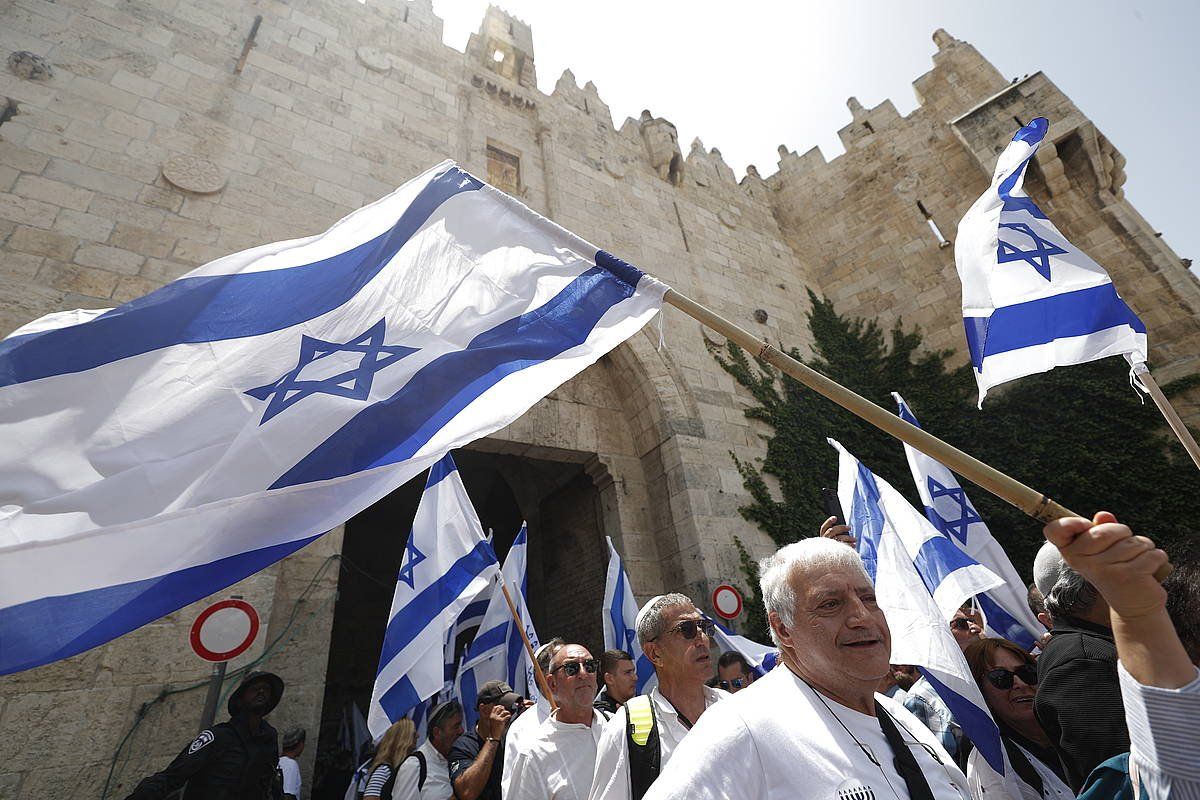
<point x="1079" y="434"/>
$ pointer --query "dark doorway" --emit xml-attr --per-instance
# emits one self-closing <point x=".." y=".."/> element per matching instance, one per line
<point x="567" y="561"/>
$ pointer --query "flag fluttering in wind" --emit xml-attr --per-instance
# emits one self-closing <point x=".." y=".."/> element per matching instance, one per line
<point x="762" y="658"/>
<point x="619" y="617"/>
<point x="498" y="651"/>
<point x="1031" y="300"/>
<point x="155" y="453"/>
<point x="921" y="579"/>
<point x="446" y="564"/>
<point x="1005" y="609"/>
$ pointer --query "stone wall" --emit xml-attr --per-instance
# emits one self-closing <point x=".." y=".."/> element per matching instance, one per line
<point x="147" y="152"/>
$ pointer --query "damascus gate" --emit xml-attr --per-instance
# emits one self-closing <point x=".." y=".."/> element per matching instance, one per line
<point x="143" y="138"/>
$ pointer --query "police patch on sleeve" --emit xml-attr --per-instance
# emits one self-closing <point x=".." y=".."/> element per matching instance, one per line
<point x="205" y="737"/>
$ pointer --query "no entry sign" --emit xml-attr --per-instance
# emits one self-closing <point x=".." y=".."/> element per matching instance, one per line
<point x="224" y="630"/>
<point x="727" y="601"/>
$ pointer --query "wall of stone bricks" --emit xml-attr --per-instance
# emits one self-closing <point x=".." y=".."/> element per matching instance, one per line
<point x="339" y="102"/>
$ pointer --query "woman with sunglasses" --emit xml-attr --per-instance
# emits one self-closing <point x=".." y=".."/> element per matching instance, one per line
<point x="1007" y="676"/>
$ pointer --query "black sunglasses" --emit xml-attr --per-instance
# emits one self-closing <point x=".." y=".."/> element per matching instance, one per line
<point x="736" y="683"/>
<point x="690" y="627"/>
<point x="571" y="668"/>
<point x="1002" y="678"/>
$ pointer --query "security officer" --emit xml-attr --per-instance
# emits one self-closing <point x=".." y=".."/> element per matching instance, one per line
<point x="233" y="760"/>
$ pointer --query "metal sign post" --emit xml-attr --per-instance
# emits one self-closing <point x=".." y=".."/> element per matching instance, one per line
<point x="222" y="632"/>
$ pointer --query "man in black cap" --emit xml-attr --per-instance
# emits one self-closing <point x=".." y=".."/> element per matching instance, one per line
<point x="476" y="760"/>
<point x="233" y="760"/>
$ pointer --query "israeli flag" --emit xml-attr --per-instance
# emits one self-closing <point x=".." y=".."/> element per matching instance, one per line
<point x="446" y="564"/>
<point x="761" y="657"/>
<point x="498" y="652"/>
<point x="921" y="579"/>
<point x="1032" y="301"/>
<point x="619" y="617"/>
<point x="1005" y="610"/>
<point x="155" y="453"/>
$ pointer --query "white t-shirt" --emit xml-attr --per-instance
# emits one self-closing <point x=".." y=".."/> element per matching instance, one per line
<point x="777" y="739"/>
<point x="986" y="784"/>
<point x="291" y="775"/>
<point x="611" y="778"/>
<point x="437" y="777"/>
<point x="524" y="727"/>
<point x="556" y="761"/>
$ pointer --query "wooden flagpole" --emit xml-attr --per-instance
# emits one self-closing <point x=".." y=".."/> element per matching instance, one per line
<point x="1031" y="501"/>
<point x="537" y="668"/>
<point x="1180" y="430"/>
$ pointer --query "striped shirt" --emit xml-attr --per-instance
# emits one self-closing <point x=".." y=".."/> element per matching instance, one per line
<point x="379" y="778"/>
<point x="1164" y="751"/>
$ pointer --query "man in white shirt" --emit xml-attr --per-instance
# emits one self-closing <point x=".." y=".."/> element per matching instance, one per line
<point x="289" y="769"/>
<point x="814" y="726"/>
<point x="677" y="640"/>
<point x="530" y="720"/>
<point x="558" y="759"/>
<point x="445" y="726"/>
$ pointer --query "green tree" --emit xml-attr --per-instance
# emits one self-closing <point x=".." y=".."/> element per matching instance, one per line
<point x="1080" y="434"/>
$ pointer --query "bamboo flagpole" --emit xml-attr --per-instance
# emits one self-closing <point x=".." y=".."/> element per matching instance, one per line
<point x="1141" y="374"/>
<point x="1031" y="501"/>
<point x="537" y="668"/>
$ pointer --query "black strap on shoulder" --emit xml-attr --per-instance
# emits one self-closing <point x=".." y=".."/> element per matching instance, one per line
<point x="420" y="757"/>
<point x="903" y="759"/>
<point x="645" y="751"/>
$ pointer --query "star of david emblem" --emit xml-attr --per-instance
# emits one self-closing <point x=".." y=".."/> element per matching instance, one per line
<point x="412" y="557"/>
<point x="966" y="514"/>
<point x="1038" y="257"/>
<point x="354" y="383"/>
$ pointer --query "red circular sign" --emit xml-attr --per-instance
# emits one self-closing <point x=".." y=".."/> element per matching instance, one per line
<point x="727" y="601"/>
<point x="224" y="630"/>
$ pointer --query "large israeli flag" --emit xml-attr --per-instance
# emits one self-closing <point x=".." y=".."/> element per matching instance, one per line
<point x="446" y="564"/>
<point x="921" y="579"/>
<point x="1005" y="609"/>
<point x="762" y="658"/>
<point x="158" y="452"/>
<point x="498" y="651"/>
<point x="1031" y="300"/>
<point x="619" y="616"/>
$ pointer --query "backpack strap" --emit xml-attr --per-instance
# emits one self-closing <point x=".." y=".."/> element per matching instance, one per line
<point x="420" y="757"/>
<point x="645" y="754"/>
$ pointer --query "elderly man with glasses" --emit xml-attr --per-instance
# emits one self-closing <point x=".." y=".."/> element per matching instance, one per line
<point x="557" y="760"/>
<point x="677" y="640"/>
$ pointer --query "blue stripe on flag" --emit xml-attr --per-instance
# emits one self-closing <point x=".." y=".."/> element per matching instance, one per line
<point x="1003" y="623"/>
<point x="975" y="722"/>
<point x="621" y="269"/>
<point x="52" y="628"/>
<point x="866" y="518"/>
<point x="400" y="698"/>
<point x="937" y="558"/>
<point x="488" y="639"/>
<point x="394" y="429"/>
<point x="440" y="471"/>
<point x="1040" y="321"/>
<point x="431" y="601"/>
<point x="217" y="307"/>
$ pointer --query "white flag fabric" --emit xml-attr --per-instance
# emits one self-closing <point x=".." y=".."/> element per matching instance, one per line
<point x="762" y="658"/>
<point x="1005" y="609"/>
<point x="619" y="617"/>
<point x="156" y="453"/>
<point x="921" y="579"/>
<point x="1031" y="300"/>
<point x="446" y="564"/>
<point x="498" y="652"/>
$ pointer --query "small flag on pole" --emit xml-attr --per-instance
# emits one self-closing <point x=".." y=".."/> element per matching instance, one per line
<point x="920" y="579"/>
<point x="498" y="652"/>
<point x="619" y="617"/>
<point x="445" y="565"/>
<point x="155" y="453"/>
<point x="1031" y="300"/>
<point x="1005" y="609"/>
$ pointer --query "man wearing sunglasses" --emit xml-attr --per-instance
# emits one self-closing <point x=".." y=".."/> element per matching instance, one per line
<point x="558" y="759"/>
<point x="677" y="640"/>
<point x="733" y="672"/>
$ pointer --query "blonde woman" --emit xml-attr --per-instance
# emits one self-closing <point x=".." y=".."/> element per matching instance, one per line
<point x="397" y="744"/>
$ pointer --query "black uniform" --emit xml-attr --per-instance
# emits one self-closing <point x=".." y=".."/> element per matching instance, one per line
<point x="226" y="761"/>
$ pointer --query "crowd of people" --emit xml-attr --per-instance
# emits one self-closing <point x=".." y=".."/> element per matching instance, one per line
<point x="1104" y="707"/>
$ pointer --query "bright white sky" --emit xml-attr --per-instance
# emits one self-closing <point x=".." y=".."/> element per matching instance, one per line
<point x="748" y="75"/>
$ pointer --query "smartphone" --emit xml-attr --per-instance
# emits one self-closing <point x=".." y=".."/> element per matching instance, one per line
<point x="833" y="506"/>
